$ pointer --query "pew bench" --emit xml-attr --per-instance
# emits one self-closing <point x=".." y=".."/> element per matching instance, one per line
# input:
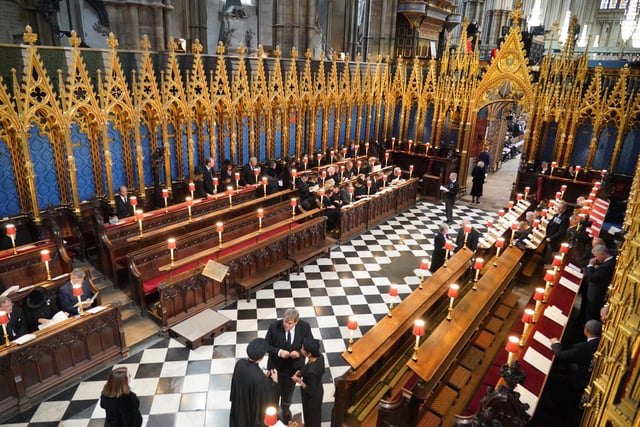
<point x="306" y="255"/>
<point x="265" y="277"/>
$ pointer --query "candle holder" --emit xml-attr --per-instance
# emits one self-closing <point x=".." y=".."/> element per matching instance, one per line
<point x="499" y="245"/>
<point x="452" y="294"/>
<point x="424" y="266"/>
<point x="513" y="348"/>
<point x="448" y="247"/>
<point x="562" y="191"/>
<point x="215" y="185"/>
<point x="230" y="194"/>
<point x="368" y="187"/>
<point x="264" y="186"/>
<point x="538" y="296"/>
<point x="189" y="201"/>
<point x="549" y="278"/>
<point x="77" y="292"/>
<point x="478" y="264"/>
<point x="331" y="156"/>
<point x="45" y="257"/>
<point x="305" y="161"/>
<point x="557" y="263"/>
<point x="4" y="320"/>
<point x="165" y="196"/>
<point x="366" y="149"/>
<point x="575" y="178"/>
<point x="393" y="293"/>
<point x="321" y="194"/>
<point x="11" y="232"/>
<point x="393" y="142"/>
<point x="133" y="201"/>
<point x="294" y="174"/>
<point x="256" y="173"/>
<point x="527" y="319"/>
<point x="410" y="171"/>
<point x="467" y="230"/>
<point x="260" y="216"/>
<point x="527" y="190"/>
<point x="192" y="189"/>
<point x="386" y="159"/>
<point x="294" y="203"/>
<point x="418" y="331"/>
<point x="427" y="146"/>
<point x="553" y="166"/>
<point x="352" y="325"/>
<point x="564" y="249"/>
<point x="514" y="228"/>
<point x="237" y="179"/>
<point x="171" y="243"/>
<point x="219" y="229"/>
<point x="270" y="416"/>
<point x="410" y="143"/>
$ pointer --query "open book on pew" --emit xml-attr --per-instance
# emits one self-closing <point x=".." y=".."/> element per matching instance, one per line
<point x="574" y="270"/>
<point x="15" y="289"/>
<point x="24" y="339"/>
<point x="93" y="298"/>
<point x="58" y="317"/>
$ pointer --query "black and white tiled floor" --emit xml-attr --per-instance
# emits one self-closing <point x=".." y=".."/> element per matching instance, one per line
<point x="178" y="387"/>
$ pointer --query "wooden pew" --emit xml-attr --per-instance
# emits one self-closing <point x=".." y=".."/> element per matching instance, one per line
<point x="376" y="353"/>
<point x="26" y="267"/>
<point x="427" y="166"/>
<point x="57" y="357"/>
<point x="185" y="294"/>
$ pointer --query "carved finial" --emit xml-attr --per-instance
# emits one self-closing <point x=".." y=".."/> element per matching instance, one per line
<point x="172" y="45"/>
<point x="112" y="42"/>
<point x="196" y="47"/>
<point x="294" y="53"/>
<point x="359" y="57"/>
<point x="29" y="36"/>
<point x="516" y="14"/>
<point x="74" y="40"/>
<point x="241" y="49"/>
<point x="321" y="55"/>
<point x="220" y="48"/>
<point x="145" y="43"/>
<point x="277" y="52"/>
<point x="308" y="54"/>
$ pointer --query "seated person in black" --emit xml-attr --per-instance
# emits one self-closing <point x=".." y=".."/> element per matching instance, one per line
<point x="271" y="174"/>
<point x="226" y="176"/>
<point x="38" y="309"/>
<point x="16" y="326"/>
<point x="67" y="300"/>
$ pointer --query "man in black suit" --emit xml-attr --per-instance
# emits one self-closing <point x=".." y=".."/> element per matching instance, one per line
<point x="285" y="339"/>
<point x="248" y="176"/>
<point x="439" y="252"/>
<point x="557" y="229"/>
<point x="472" y="237"/>
<point x="208" y="172"/>
<point x="597" y="278"/>
<point x="16" y="326"/>
<point x="450" y="194"/>
<point x="123" y="207"/>
<point x="67" y="301"/>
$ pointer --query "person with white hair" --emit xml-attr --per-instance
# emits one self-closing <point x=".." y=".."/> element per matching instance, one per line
<point x="597" y="279"/>
<point x="478" y="176"/>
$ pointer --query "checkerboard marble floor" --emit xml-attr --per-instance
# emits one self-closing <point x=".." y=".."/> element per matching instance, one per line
<point x="179" y="387"/>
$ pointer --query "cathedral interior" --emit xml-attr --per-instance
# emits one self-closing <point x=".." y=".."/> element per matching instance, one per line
<point x="361" y="114"/>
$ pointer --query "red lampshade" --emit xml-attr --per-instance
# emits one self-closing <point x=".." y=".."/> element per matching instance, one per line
<point x="428" y="144"/>
<point x="332" y="153"/>
<point x="557" y="261"/>
<point x="527" y="189"/>
<point x="171" y="243"/>
<point x="510" y="204"/>
<point x="321" y="192"/>
<point x="45" y="255"/>
<point x="558" y="194"/>
<point x="410" y="168"/>
<point x="393" y="139"/>
<point x="418" y="328"/>
<point x="467" y="228"/>
<point x="192" y="186"/>
<point x="366" y="145"/>
<point x="319" y="156"/>
<point x="256" y="171"/>
<point x="578" y="168"/>
<point x="323" y="174"/>
<point x="4" y="318"/>
<point x="359" y="163"/>
<point x="260" y="213"/>
<point x="229" y="190"/>
<point x="489" y="223"/>
<point x="393" y="291"/>
<point x="11" y="230"/>
<point x="353" y="323"/>
<point x="384" y="177"/>
<point x="341" y="168"/>
<point x="592" y="196"/>
<point x="550" y="276"/>
<point x="453" y="291"/>
<point x="501" y="213"/>
<point x="424" y="264"/>
<point x="140" y="213"/>
<point x="237" y="176"/>
<point x="77" y="289"/>
<point x="564" y="248"/>
<point x="271" y="416"/>
<point x="448" y="245"/>
<point x="215" y="181"/>
<point x="513" y="344"/>
<point x="514" y="225"/>
<point x="294" y="202"/>
<point x="219" y="227"/>
<point x="410" y="141"/>
<point x="165" y="192"/>
<point x="563" y="188"/>
<point x="305" y="159"/>
<point x="265" y="181"/>
<point x="519" y="196"/>
<point x="527" y="316"/>
<point x="344" y="151"/>
<point x="539" y="294"/>
<point x="351" y="189"/>
<point x="500" y="242"/>
<point x="581" y="216"/>
<point x="369" y="183"/>
<point x="386" y="155"/>
<point x="133" y="200"/>
<point x="603" y="172"/>
<point x="398" y="172"/>
<point x="294" y="173"/>
<point x="544" y="213"/>
<point x="551" y="203"/>
<point x="554" y="164"/>
<point x="478" y="264"/>
<point x="536" y="223"/>
<point x="189" y="201"/>
<point x="596" y="186"/>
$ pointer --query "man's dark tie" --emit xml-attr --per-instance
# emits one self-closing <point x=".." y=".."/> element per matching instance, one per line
<point x="288" y="339"/>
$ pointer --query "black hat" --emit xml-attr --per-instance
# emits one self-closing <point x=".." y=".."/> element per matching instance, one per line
<point x="312" y="346"/>
<point x="36" y="298"/>
<point x="257" y="348"/>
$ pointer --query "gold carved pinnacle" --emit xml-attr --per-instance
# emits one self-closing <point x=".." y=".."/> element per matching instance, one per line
<point x="145" y="43"/>
<point x="172" y="45"/>
<point x="278" y="51"/>
<point x="516" y="14"/>
<point x="241" y="49"/>
<point x="74" y="40"/>
<point x="112" y="42"/>
<point x="359" y="57"/>
<point x="29" y="36"/>
<point x="294" y="53"/>
<point x="307" y="54"/>
<point x="220" y="48"/>
<point x="196" y="46"/>
<point x="260" y="51"/>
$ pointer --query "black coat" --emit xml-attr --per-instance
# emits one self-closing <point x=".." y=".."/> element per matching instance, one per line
<point x="597" y="279"/>
<point x="472" y="239"/>
<point x="123" y="411"/>
<point x="312" y="394"/>
<point x="439" y="253"/>
<point x="478" y="181"/>
<point x="17" y="326"/>
<point x="123" y="208"/>
<point x="276" y="338"/>
<point x="557" y="228"/>
<point x="575" y="360"/>
<point x="251" y="393"/>
<point x="453" y="188"/>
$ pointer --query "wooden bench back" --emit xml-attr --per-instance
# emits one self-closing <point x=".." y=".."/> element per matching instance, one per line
<point x="26" y="268"/>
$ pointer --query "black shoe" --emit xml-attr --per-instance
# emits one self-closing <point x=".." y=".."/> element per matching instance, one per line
<point x="286" y="416"/>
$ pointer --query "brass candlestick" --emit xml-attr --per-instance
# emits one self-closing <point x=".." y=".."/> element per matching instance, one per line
<point x="80" y="308"/>
<point x="46" y="265"/>
<point x="13" y="243"/>
<point x="172" y="259"/>
<point x="350" y="349"/>
<point x="6" y="335"/>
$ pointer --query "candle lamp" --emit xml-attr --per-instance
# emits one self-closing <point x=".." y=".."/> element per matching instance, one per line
<point x="321" y="194"/>
<point x="323" y="175"/>
<point x="140" y="215"/>
<point x="386" y="159"/>
<point x="557" y="262"/>
<point x="424" y="266"/>
<point x="536" y="223"/>
<point x="230" y="194"/>
<point x="4" y="320"/>
<point x="133" y="201"/>
<point x="552" y="203"/>
<point x="393" y="142"/>
<point x="294" y="174"/>
<point x="215" y="184"/>
<point x="603" y="173"/>
<point x="192" y="189"/>
<point x="489" y="224"/>
<point x="351" y="190"/>
<point x="558" y="195"/>
<point x="219" y="230"/>
<point x="427" y="146"/>
<point x="467" y="230"/>
<point x="77" y="292"/>
<point x="305" y="161"/>
<point x="448" y="247"/>
<point x="452" y="294"/>
<point x="410" y="171"/>
<point x="596" y="186"/>
<point x="352" y="325"/>
<point x="549" y="279"/>
<point x="344" y="152"/>
<point x="341" y="172"/>
<point x="510" y="205"/>
<point x="171" y="244"/>
<point x="512" y="347"/>
<point x="331" y="155"/>
<point x="393" y="293"/>
<point x="357" y="149"/>
<point x="11" y="232"/>
<point x="563" y="189"/>
<point x="527" y="319"/>
<point x="319" y="157"/>
<point x="45" y="256"/>
<point x="538" y="297"/>
<point x="514" y="228"/>
<point x="256" y="173"/>
<point x="553" y="166"/>
<point x="358" y="165"/>
<point x="519" y="197"/>
<point x="165" y="196"/>
<point x="237" y="178"/>
<point x="544" y="213"/>
<point x="500" y="215"/>
<point x="499" y="245"/>
<point x="575" y="178"/>
<point x="592" y="196"/>
<point x="265" y="181"/>
<point x="410" y="144"/>
<point x="270" y="416"/>
<point x="260" y="216"/>
<point x="366" y="149"/>
<point x="368" y="186"/>
<point x="477" y="265"/>
<point x="384" y="180"/>
<point x="527" y="190"/>
<point x="294" y="203"/>
<point x="189" y="201"/>
<point x="418" y="331"/>
<point x="564" y="249"/>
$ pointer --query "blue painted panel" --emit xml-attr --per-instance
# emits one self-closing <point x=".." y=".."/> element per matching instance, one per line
<point x="292" y="135"/>
<point x="185" y="153"/>
<point x="372" y="126"/>
<point x="206" y="144"/>
<point x="606" y="144"/>
<point x="278" y="145"/>
<point x="84" y="165"/>
<point x="146" y="155"/>
<point x="630" y="152"/>
<point x="428" y="120"/>
<point x="117" y="157"/>
<point x="354" y="123"/>
<point x="318" y="142"/>
<point x="10" y="204"/>
<point x="547" y="146"/>
<point x="44" y="167"/>
<point x="172" y="152"/>
<point x="412" y="122"/>
<point x="332" y="123"/>
<point x="582" y="143"/>
<point x="396" y="120"/>
<point x="161" y="167"/>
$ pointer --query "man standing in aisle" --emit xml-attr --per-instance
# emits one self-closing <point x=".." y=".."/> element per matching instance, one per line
<point x="450" y="194"/>
<point x="285" y="338"/>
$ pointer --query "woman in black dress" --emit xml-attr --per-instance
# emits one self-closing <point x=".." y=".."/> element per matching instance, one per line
<point x="310" y="380"/>
<point x="121" y="405"/>
<point x="478" y="181"/>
